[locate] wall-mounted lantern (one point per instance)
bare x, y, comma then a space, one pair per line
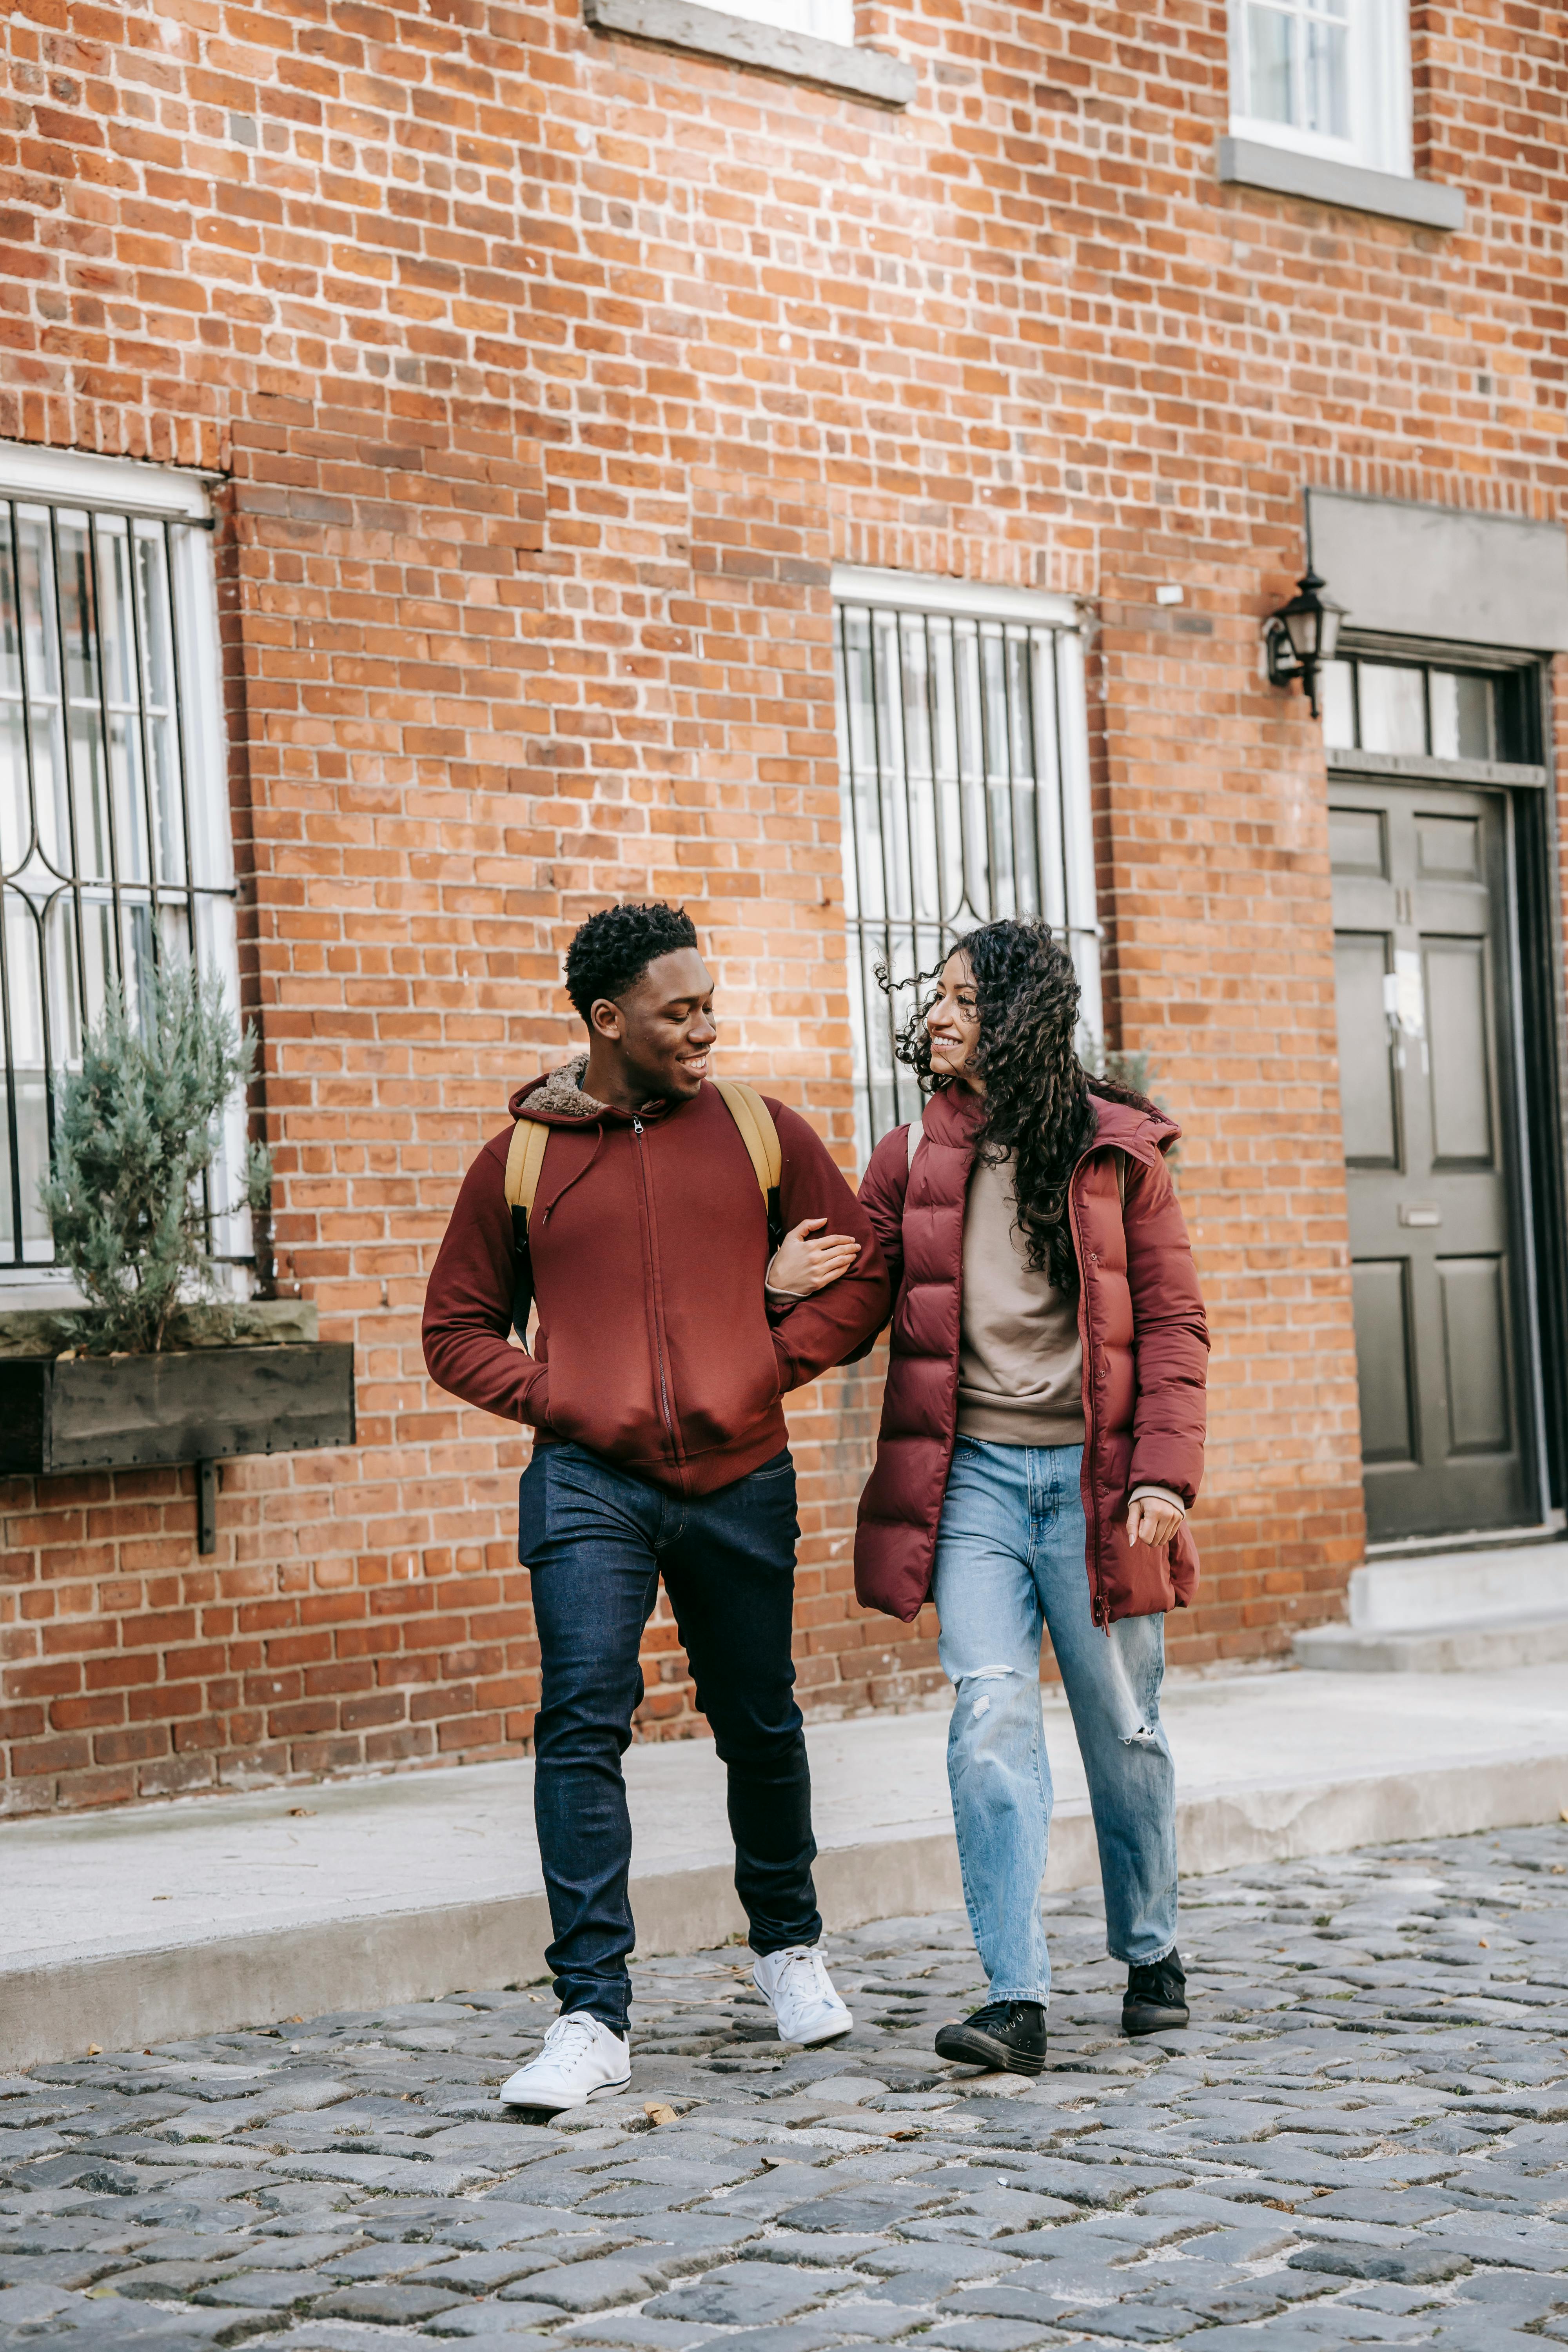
1302, 637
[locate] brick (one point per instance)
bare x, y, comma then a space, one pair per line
530, 491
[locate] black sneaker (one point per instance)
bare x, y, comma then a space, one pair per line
1010, 2034
1156, 1996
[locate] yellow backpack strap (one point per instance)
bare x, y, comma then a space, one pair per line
524, 1159
761, 1137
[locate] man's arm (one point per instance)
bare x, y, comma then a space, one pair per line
835, 1323
469, 1302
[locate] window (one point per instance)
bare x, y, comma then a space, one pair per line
1427, 710
1329, 78
964, 770
828, 20
114, 836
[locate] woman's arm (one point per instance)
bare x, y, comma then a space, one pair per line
807, 1260
1169, 1337
882, 1189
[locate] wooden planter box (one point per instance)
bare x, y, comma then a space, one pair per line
117, 1412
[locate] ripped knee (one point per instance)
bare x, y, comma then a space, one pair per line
1143, 1737
981, 1704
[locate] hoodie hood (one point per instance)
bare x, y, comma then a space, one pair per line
557, 1100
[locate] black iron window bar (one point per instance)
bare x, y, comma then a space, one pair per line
97, 856
964, 790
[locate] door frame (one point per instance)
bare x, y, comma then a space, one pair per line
1536, 1089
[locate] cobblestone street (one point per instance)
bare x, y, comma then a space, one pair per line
1362, 2139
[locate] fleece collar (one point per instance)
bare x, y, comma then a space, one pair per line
560, 1093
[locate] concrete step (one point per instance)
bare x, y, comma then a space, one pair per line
1479, 1647
154, 1922
1449, 1612
1460, 1588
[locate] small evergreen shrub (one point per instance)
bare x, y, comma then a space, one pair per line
136, 1131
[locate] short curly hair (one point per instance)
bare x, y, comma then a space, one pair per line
614, 948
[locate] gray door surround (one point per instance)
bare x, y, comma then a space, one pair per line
1441, 573
1429, 1088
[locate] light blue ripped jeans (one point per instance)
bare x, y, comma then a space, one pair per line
1010, 1557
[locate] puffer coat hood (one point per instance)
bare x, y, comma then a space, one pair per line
1145, 1350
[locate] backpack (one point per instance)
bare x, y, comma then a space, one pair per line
530, 1140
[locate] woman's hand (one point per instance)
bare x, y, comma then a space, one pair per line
806, 1261
1151, 1522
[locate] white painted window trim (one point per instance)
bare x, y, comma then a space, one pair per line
110, 482
856, 584
1380, 90
818, 20
128, 485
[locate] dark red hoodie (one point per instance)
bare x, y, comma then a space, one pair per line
649, 1245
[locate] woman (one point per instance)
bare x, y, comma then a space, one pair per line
1041, 1445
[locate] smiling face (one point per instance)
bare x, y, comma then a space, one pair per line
953, 1022
661, 1032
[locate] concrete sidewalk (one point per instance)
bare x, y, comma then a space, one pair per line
154, 1923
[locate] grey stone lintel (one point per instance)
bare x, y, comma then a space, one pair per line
873, 74
1254, 163
1418, 571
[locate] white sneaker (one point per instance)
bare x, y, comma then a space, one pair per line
581, 2060
800, 1990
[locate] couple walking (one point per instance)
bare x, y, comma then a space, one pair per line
1041, 1445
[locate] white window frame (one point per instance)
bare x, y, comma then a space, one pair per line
1380, 92
1044, 797
821, 20
73, 484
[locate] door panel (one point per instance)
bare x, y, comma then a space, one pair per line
1475, 1348
1426, 1059
1448, 848
1366, 1064
1382, 1355
1461, 1052
1358, 841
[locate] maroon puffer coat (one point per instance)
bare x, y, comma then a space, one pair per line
1145, 1350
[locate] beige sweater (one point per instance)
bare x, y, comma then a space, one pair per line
1020, 1360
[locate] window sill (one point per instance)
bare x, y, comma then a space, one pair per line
1419, 766
1252, 164
871, 74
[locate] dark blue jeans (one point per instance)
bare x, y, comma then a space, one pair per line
596, 1541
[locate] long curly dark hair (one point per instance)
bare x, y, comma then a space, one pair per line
1037, 1092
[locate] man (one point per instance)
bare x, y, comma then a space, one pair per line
656, 1386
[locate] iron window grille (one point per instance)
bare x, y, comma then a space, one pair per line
114, 835
964, 762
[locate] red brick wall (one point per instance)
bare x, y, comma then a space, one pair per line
547, 375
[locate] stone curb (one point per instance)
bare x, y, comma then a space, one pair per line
132, 2001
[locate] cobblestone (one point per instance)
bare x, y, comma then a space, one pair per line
1362, 2139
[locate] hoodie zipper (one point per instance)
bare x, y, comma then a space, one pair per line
666, 1409
1099, 1612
